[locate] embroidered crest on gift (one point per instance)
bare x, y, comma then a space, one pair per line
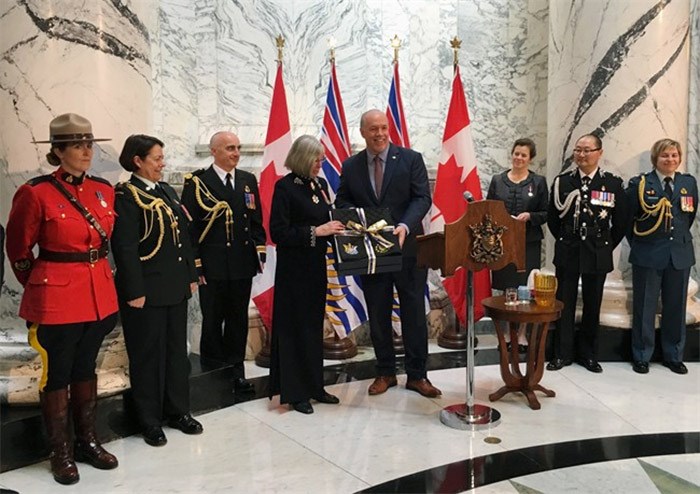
350, 249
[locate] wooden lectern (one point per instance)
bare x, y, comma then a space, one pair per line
486, 236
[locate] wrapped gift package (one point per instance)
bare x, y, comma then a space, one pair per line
368, 244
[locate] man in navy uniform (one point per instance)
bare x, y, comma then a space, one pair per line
229, 241
387, 176
587, 215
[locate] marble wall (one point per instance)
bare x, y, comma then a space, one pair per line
218, 73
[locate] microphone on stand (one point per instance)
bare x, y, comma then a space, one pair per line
468, 196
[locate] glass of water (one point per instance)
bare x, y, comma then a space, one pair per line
511, 296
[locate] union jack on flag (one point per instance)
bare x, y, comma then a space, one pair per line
345, 303
398, 130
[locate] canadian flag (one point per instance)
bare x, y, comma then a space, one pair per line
456, 174
277, 145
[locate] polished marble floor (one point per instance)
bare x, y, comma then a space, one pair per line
609, 433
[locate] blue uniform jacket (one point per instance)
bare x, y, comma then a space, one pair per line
664, 246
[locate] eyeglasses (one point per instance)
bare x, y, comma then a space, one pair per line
585, 151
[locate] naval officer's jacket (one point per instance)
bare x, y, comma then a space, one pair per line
659, 233
587, 221
227, 231
151, 246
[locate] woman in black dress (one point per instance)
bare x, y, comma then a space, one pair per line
299, 226
525, 196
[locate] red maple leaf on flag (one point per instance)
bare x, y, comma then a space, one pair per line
449, 190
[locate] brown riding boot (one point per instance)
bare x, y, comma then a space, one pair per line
83, 396
54, 407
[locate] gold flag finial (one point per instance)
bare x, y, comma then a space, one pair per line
331, 45
396, 44
279, 41
456, 44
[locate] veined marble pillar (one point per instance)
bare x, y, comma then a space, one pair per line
620, 70
59, 56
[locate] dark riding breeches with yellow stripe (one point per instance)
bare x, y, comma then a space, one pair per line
68, 351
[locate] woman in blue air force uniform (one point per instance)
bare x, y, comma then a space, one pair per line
663, 203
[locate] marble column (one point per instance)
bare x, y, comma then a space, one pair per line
58, 56
692, 156
621, 70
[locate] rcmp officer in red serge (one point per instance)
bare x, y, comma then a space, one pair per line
587, 216
155, 278
69, 300
229, 242
663, 204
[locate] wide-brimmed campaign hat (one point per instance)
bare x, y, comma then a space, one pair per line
70, 127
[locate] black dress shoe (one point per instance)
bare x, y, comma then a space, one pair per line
242, 384
640, 367
590, 364
154, 436
303, 407
186, 424
557, 363
327, 398
677, 367
522, 348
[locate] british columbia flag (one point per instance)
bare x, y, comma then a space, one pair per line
345, 303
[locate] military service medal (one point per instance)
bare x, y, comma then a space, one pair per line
687, 205
602, 198
99, 195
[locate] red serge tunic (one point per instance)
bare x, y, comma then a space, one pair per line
61, 292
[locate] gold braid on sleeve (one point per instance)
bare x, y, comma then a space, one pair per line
154, 209
662, 209
213, 212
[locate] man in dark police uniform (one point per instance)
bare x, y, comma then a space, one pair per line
229, 241
587, 216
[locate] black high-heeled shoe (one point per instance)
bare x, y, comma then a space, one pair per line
303, 407
327, 398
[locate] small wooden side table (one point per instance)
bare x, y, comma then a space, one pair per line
539, 318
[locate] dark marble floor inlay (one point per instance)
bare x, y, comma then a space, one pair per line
471, 473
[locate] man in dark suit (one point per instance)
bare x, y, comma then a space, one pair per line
587, 216
387, 176
229, 241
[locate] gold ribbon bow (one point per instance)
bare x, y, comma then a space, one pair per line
382, 245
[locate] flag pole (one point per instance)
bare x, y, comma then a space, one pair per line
262, 359
468, 415
397, 339
453, 337
335, 347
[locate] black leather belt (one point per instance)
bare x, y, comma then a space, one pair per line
91, 256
